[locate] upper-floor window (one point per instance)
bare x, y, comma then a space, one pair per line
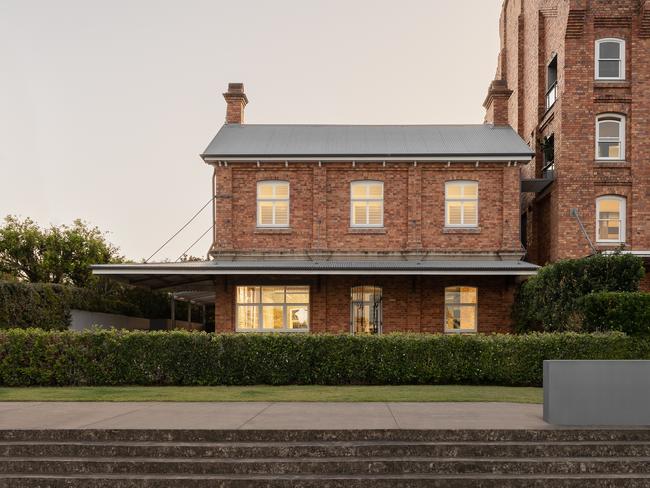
551, 83
610, 59
273, 204
461, 308
461, 204
367, 204
610, 137
610, 219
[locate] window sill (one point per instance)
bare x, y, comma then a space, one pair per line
614, 163
461, 230
611, 83
273, 230
366, 230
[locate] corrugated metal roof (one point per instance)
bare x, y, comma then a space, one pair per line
264, 140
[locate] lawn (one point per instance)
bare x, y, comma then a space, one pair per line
264, 393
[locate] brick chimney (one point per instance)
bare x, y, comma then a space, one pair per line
236, 100
496, 103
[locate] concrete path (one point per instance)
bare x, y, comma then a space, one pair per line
269, 415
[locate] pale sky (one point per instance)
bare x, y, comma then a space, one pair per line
106, 105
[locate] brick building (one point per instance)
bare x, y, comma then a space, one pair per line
573, 79
361, 229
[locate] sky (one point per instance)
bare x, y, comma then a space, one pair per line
105, 106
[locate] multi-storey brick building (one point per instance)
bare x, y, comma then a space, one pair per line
573, 79
360, 229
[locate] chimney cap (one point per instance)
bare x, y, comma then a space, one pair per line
236, 90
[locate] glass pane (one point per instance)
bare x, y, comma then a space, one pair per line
375, 213
361, 319
610, 50
609, 128
281, 213
609, 229
609, 69
265, 213
470, 213
608, 207
609, 150
452, 294
359, 190
272, 316
265, 190
467, 294
359, 213
453, 317
273, 294
376, 190
248, 294
282, 189
468, 318
297, 294
247, 317
453, 190
470, 190
297, 317
454, 213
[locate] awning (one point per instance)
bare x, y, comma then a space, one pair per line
197, 274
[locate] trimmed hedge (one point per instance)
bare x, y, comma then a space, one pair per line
548, 301
628, 312
110, 357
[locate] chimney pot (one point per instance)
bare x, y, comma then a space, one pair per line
236, 101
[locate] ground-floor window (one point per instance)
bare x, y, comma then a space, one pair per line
366, 309
272, 308
460, 308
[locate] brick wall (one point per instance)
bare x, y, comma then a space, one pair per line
409, 304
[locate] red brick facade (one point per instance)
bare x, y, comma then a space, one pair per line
532, 33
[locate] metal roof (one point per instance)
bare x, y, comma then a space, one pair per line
280, 141
166, 275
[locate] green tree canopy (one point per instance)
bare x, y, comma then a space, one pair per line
58, 254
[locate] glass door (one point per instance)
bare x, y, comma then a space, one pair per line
366, 314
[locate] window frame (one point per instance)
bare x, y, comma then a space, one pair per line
621, 135
461, 304
551, 89
622, 210
621, 59
260, 308
274, 200
367, 199
378, 292
461, 199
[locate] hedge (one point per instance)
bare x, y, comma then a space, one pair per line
548, 301
628, 312
110, 357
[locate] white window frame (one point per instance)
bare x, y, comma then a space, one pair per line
461, 199
366, 199
260, 306
622, 219
274, 184
461, 304
621, 59
621, 135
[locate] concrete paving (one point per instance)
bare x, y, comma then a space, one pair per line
269, 415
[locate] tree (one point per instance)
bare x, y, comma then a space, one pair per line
59, 254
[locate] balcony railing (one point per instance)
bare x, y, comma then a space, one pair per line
551, 95
548, 171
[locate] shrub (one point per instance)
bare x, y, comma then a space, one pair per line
548, 301
110, 357
627, 312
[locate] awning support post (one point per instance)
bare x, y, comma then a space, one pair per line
173, 324
189, 314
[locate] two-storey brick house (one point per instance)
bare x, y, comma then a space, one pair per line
361, 229
573, 79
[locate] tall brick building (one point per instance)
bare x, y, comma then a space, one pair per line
357, 229
573, 79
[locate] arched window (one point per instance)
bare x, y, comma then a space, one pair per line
461, 204
273, 203
610, 219
366, 313
610, 59
610, 137
461, 308
367, 204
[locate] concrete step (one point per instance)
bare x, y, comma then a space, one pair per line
470, 435
323, 449
327, 481
329, 466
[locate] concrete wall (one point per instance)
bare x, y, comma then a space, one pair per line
597, 392
81, 319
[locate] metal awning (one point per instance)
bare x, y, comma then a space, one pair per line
198, 275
